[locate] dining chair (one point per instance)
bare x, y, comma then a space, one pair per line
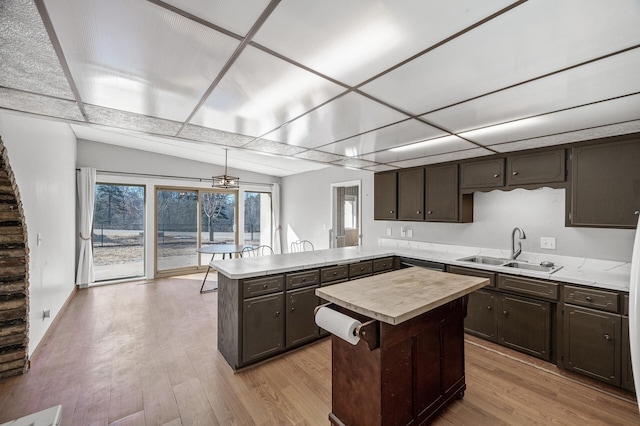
301, 245
253, 251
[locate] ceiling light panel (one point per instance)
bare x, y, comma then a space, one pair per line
442, 158
341, 118
604, 79
421, 149
402, 133
237, 16
261, 92
28, 60
529, 41
570, 137
354, 40
37, 104
138, 57
599, 114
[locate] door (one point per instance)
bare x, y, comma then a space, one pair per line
525, 325
301, 325
346, 217
263, 327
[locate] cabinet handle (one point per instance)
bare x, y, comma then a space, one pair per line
515, 173
265, 286
277, 313
293, 308
505, 313
418, 212
429, 212
588, 299
497, 175
607, 337
489, 308
304, 279
637, 212
335, 273
391, 211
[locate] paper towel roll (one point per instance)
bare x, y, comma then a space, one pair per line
338, 324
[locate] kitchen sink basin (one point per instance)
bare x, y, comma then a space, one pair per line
532, 267
486, 260
508, 263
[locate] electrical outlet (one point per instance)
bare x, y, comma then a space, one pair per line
548, 243
388, 231
410, 233
403, 231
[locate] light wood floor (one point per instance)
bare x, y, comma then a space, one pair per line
145, 353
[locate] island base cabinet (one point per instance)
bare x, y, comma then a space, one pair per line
263, 327
301, 325
524, 325
592, 343
415, 372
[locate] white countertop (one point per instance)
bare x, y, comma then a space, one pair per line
603, 274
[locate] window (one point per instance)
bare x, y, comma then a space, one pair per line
257, 218
177, 226
118, 232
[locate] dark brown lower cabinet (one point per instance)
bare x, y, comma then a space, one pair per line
626, 372
592, 343
301, 326
481, 315
525, 325
262, 327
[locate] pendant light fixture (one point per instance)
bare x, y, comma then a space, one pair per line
225, 181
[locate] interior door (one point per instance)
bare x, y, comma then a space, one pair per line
346, 216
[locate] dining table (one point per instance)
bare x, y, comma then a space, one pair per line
224, 250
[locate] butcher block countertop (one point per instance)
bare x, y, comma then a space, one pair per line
400, 295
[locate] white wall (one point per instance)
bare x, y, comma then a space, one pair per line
42, 155
541, 213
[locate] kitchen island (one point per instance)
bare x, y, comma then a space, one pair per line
409, 363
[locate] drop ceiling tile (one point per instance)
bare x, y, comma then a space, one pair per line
402, 133
380, 168
604, 79
130, 121
599, 114
137, 56
354, 162
341, 118
354, 40
237, 16
421, 149
261, 92
37, 104
318, 156
570, 137
204, 134
443, 158
271, 147
530, 40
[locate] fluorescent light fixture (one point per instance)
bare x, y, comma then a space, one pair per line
418, 145
503, 128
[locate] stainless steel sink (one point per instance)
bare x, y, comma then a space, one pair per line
532, 267
486, 260
508, 263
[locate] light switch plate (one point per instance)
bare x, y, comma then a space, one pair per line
388, 231
548, 243
410, 233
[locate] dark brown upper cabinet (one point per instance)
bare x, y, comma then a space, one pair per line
536, 168
411, 194
441, 193
385, 202
482, 174
605, 184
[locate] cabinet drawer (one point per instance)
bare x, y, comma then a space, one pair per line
482, 174
334, 273
528, 286
260, 286
303, 279
474, 273
591, 298
383, 265
361, 268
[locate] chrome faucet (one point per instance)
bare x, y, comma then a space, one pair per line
515, 253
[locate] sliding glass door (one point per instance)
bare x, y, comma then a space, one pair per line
118, 232
177, 229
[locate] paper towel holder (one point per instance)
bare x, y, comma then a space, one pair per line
368, 331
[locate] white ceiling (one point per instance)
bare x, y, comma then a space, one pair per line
297, 85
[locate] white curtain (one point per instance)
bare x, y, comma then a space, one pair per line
275, 211
86, 182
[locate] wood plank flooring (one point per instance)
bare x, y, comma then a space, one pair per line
144, 353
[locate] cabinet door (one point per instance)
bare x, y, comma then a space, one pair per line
262, 327
626, 373
385, 196
481, 315
441, 193
411, 194
592, 343
482, 174
525, 325
538, 167
301, 324
605, 184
